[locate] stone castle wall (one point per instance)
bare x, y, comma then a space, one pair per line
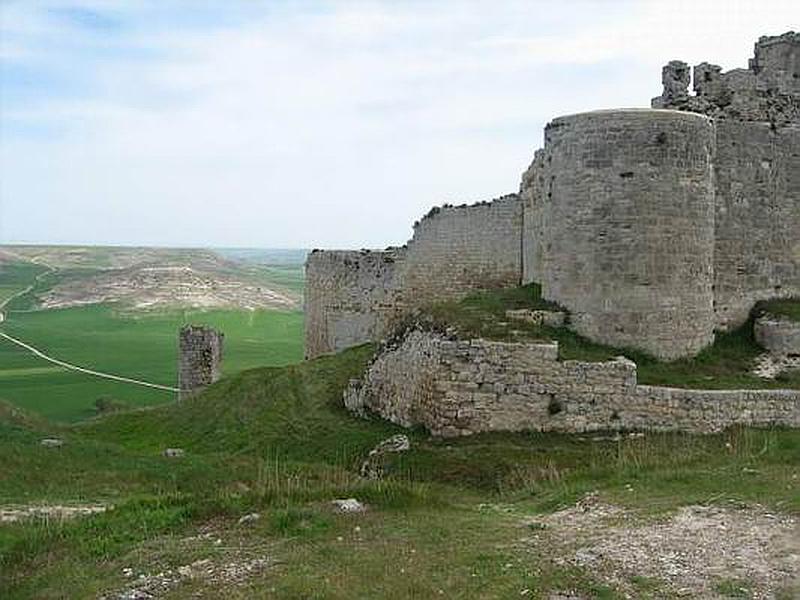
757, 221
780, 336
353, 297
461, 387
653, 227
623, 211
199, 358
457, 249
767, 91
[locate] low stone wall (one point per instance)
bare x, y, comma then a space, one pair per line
778, 335
460, 387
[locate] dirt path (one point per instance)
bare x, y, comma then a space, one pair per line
79, 369
61, 363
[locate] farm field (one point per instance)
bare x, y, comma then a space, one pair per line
117, 338
141, 347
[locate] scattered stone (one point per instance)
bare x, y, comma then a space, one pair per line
250, 518
235, 570
174, 452
349, 505
685, 552
547, 318
58, 512
769, 366
52, 442
373, 467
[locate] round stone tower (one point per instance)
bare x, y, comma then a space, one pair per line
199, 358
628, 199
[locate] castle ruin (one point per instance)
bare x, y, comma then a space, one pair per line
199, 358
654, 227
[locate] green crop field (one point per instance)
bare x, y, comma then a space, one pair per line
143, 347
113, 338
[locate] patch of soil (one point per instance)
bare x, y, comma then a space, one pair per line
694, 553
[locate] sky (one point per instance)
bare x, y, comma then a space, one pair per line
312, 124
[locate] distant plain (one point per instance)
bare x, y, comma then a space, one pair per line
118, 337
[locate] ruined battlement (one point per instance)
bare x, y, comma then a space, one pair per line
654, 228
768, 90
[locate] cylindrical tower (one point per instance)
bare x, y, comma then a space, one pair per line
628, 196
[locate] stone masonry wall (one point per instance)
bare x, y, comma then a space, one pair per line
779, 335
623, 212
757, 221
199, 358
353, 297
767, 91
458, 249
461, 387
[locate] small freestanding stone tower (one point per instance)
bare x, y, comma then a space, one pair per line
199, 358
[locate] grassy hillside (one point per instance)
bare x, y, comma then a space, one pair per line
16, 276
141, 346
446, 522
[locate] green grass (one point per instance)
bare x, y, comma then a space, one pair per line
787, 307
724, 365
16, 276
278, 441
141, 346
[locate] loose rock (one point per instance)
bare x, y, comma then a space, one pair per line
349, 505
373, 466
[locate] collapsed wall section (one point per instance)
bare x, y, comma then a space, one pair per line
622, 216
461, 387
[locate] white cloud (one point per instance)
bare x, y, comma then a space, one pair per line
332, 127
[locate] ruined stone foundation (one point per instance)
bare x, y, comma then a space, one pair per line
456, 387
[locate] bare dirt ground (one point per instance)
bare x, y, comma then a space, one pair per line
150, 287
698, 552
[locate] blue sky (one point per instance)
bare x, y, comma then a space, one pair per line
312, 124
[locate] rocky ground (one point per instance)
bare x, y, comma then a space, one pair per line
697, 552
